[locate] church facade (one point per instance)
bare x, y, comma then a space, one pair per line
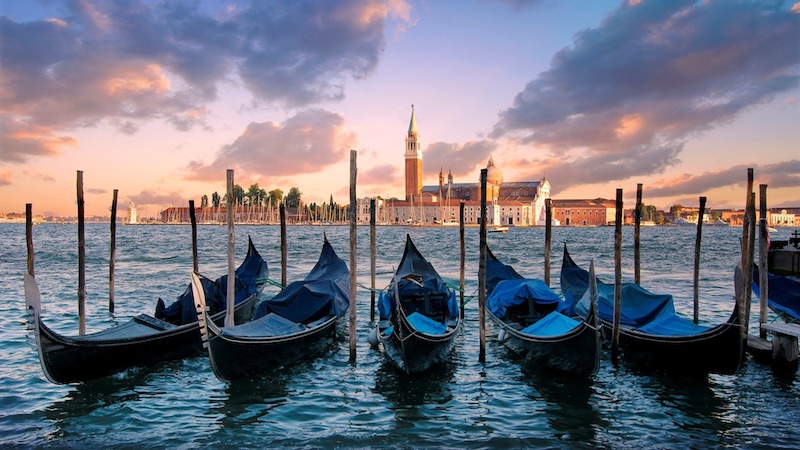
518, 203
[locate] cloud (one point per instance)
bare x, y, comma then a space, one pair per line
148, 197
649, 77
462, 159
386, 174
20, 141
125, 63
5, 178
308, 142
779, 175
96, 191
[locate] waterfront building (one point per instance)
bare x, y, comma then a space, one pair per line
520, 203
595, 212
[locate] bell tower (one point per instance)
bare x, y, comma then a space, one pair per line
413, 160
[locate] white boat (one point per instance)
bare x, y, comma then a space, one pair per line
499, 230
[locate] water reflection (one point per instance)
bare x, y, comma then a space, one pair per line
412, 394
571, 412
249, 400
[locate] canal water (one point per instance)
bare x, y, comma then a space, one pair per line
328, 402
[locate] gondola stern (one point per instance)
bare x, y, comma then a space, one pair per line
34, 319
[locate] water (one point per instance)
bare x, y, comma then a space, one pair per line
328, 402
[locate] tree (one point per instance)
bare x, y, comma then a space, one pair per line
204, 201
275, 196
215, 200
293, 197
256, 194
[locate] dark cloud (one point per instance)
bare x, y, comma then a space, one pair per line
462, 159
778, 175
306, 143
134, 61
649, 77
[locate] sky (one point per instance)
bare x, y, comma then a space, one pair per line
157, 99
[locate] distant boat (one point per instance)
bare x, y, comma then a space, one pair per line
499, 230
680, 221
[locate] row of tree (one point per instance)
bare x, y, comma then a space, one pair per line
255, 196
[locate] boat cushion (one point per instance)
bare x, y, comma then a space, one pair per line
270, 325
672, 325
553, 324
425, 324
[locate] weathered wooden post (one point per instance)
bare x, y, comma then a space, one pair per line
617, 278
29, 236
637, 247
282, 209
113, 256
353, 280
747, 269
548, 236
463, 255
193, 220
697, 246
482, 271
763, 270
229, 319
81, 259
372, 257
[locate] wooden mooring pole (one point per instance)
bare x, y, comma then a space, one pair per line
637, 226
372, 257
463, 247
81, 259
113, 256
193, 220
29, 236
282, 209
482, 271
617, 278
697, 246
229, 319
353, 254
747, 269
763, 270
548, 237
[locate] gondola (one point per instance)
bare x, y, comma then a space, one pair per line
783, 295
651, 333
538, 325
296, 324
144, 340
419, 315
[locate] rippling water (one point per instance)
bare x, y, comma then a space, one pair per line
329, 402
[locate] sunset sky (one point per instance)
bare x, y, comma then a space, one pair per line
158, 99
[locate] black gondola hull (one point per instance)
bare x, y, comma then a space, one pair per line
412, 351
73, 359
233, 358
576, 353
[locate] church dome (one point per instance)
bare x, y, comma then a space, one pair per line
493, 174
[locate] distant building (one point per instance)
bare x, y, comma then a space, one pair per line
508, 203
595, 212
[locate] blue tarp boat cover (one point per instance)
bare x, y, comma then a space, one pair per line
269, 325
425, 324
642, 310
783, 293
514, 292
416, 277
553, 324
325, 290
183, 311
